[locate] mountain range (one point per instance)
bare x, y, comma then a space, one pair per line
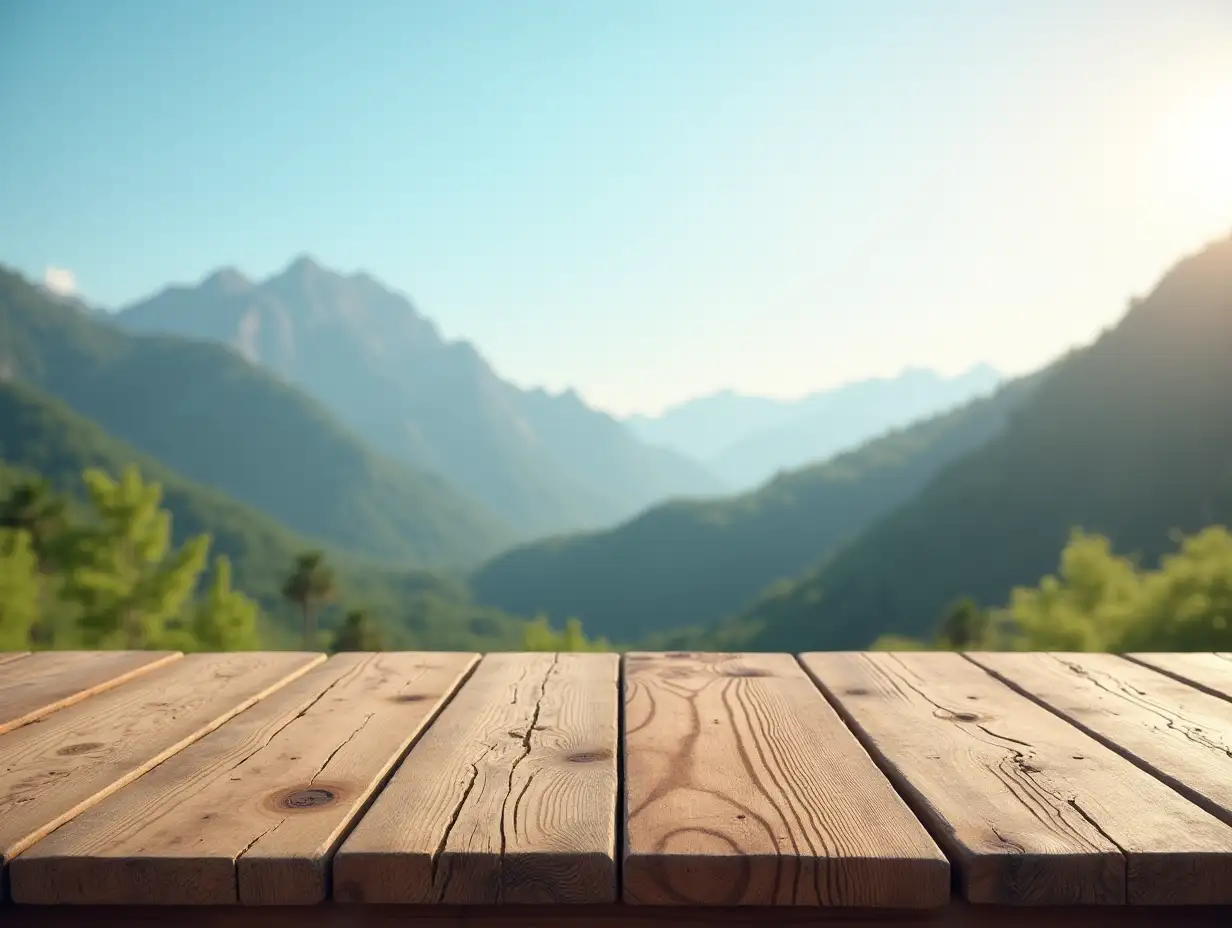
746, 440
1130, 437
315, 410
541, 463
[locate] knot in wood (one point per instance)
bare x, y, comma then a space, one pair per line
72, 750
307, 798
589, 757
745, 672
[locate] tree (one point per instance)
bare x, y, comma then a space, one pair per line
538, 635
964, 626
224, 619
120, 569
310, 585
33, 508
358, 633
19, 589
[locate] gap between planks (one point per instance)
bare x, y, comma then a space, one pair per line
58, 767
52, 680
253, 811
743, 787
1031, 810
514, 788
1170, 729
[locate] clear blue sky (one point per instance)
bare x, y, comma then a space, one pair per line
647, 201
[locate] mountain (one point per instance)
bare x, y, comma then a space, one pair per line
690, 563
42, 436
1130, 438
545, 463
205, 412
746, 440
825, 424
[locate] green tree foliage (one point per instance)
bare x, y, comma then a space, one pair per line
540, 636
1099, 601
113, 578
121, 570
359, 632
309, 586
19, 589
224, 619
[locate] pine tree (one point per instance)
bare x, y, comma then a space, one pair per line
358, 633
310, 585
19, 589
224, 619
121, 570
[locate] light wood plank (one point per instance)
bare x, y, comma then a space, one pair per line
57, 768
743, 787
510, 796
253, 811
1031, 810
1211, 673
52, 680
6, 656
1176, 732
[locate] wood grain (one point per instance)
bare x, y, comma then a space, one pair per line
1211, 673
56, 768
253, 811
743, 787
510, 796
1176, 732
6, 656
52, 680
1031, 810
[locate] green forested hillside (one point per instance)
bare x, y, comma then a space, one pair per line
1130, 438
203, 410
690, 563
40, 436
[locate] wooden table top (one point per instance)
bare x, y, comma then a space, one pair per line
538, 789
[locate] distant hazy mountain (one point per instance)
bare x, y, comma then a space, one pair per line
746, 440
546, 463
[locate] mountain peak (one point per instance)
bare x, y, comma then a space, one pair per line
226, 280
303, 265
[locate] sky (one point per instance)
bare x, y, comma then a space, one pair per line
644, 201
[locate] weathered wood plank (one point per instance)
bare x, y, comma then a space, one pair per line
253, 811
743, 787
1211, 673
6, 656
510, 796
52, 680
1031, 810
958, 915
57, 768
1176, 732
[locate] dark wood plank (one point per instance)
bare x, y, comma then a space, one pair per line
609, 916
1031, 810
510, 796
1176, 732
1211, 673
253, 811
57, 768
743, 787
52, 680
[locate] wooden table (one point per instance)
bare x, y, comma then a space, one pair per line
435, 789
